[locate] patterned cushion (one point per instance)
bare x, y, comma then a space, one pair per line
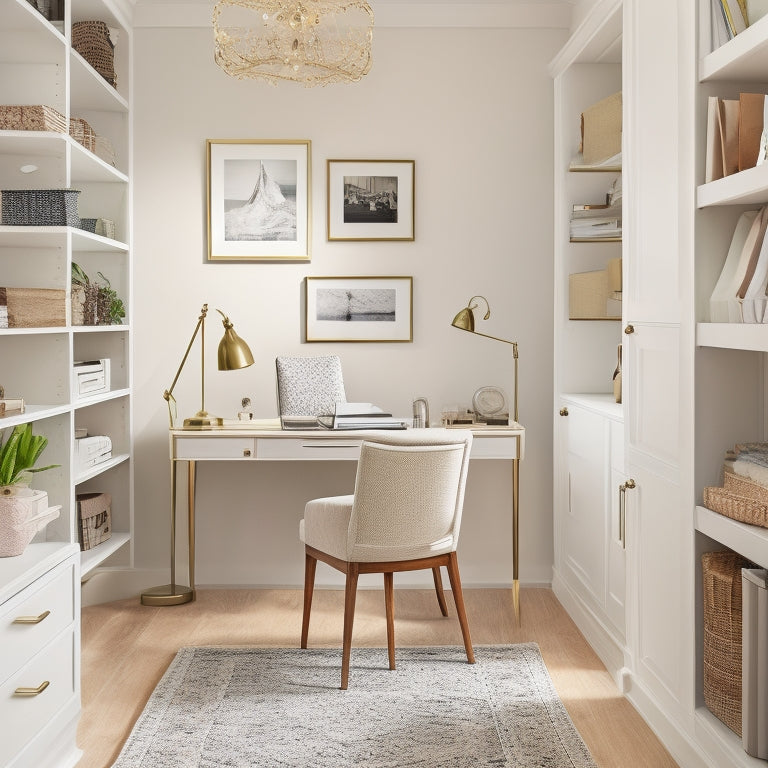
309, 386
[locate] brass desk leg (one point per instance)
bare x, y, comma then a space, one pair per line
173, 593
516, 534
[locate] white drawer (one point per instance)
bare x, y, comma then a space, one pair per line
309, 448
24, 717
493, 447
33, 617
193, 448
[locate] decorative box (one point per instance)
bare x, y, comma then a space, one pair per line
94, 512
90, 377
32, 307
39, 207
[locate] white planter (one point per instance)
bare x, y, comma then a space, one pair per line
22, 515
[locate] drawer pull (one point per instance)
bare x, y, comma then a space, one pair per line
31, 619
32, 691
246, 453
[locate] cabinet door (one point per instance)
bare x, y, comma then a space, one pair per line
658, 593
584, 523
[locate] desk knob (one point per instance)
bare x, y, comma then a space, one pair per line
247, 452
563, 411
629, 329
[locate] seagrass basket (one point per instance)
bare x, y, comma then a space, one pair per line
721, 573
81, 131
740, 499
92, 41
31, 117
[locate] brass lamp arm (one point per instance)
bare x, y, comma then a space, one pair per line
168, 394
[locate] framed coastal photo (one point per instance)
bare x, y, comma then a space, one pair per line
258, 200
359, 309
371, 199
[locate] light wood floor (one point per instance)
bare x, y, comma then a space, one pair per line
126, 647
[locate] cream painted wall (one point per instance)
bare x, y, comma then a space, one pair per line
474, 109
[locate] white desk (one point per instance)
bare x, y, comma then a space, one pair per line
245, 444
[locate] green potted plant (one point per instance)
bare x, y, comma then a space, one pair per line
23, 511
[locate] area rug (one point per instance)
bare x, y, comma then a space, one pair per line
278, 707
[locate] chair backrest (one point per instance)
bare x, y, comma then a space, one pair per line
409, 494
309, 386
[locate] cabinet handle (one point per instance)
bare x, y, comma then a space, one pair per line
32, 691
563, 411
629, 329
31, 619
623, 488
247, 452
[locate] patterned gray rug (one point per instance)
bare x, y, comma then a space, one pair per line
277, 707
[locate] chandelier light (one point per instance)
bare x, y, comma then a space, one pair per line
314, 42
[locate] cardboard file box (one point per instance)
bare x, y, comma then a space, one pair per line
94, 513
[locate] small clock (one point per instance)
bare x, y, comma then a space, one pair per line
489, 402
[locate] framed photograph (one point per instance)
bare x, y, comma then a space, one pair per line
258, 200
359, 309
371, 199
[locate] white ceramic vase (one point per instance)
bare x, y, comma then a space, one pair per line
23, 512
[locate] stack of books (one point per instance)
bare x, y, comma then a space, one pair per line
730, 17
595, 222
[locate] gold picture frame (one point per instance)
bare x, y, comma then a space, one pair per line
241, 174
359, 309
371, 200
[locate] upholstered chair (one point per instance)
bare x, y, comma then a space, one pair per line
308, 387
404, 515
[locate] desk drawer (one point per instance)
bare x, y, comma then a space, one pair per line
46, 607
24, 717
492, 447
193, 448
308, 449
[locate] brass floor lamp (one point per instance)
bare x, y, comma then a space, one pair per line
465, 321
233, 354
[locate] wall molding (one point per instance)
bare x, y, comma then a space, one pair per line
503, 14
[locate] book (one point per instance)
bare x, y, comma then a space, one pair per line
361, 416
735, 17
751, 106
721, 32
728, 123
713, 165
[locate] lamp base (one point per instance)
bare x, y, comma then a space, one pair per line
205, 421
168, 594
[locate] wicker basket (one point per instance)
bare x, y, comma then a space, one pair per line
740, 499
94, 512
82, 133
39, 207
33, 117
722, 635
92, 41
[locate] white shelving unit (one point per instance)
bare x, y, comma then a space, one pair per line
38, 65
730, 357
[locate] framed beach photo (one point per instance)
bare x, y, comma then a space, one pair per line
371, 199
359, 309
258, 200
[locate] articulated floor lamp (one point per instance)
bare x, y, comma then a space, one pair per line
465, 321
234, 354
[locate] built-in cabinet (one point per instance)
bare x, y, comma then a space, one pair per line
39, 66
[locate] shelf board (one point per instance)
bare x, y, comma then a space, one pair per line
20, 19
751, 541
82, 240
747, 336
745, 58
100, 328
102, 397
595, 240
55, 237
32, 413
582, 168
745, 187
88, 167
93, 558
101, 468
90, 91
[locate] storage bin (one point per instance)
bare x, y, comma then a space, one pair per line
740, 498
94, 513
82, 132
39, 207
32, 117
33, 307
91, 39
721, 573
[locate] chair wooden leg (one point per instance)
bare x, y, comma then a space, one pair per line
439, 590
389, 600
310, 564
458, 596
350, 593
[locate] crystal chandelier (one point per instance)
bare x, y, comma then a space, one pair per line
314, 42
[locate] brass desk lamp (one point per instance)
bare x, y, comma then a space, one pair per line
234, 354
465, 321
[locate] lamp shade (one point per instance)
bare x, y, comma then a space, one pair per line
234, 353
465, 320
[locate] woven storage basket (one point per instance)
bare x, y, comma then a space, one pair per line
94, 511
33, 117
82, 133
740, 499
92, 41
39, 207
722, 635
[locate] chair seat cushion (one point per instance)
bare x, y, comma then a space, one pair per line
325, 527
